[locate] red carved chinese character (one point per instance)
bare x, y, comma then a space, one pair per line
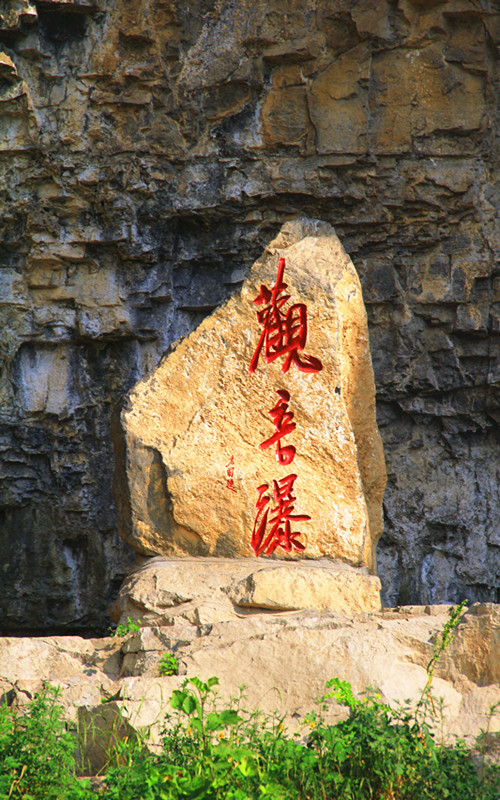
284, 333
230, 473
283, 424
280, 534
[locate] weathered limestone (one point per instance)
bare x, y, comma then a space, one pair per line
284, 660
323, 588
201, 411
148, 151
84, 669
197, 591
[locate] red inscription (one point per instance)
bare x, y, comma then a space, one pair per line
284, 332
278, 519
230, 473
283, 424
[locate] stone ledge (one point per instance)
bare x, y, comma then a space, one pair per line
207, 590
289, 587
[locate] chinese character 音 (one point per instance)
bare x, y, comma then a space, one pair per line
283, 425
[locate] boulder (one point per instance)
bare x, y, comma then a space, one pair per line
83, 669
146, 152
257, 434
289, 587
284, 660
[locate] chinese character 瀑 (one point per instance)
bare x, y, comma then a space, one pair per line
230, 473
284, 333
283, 424
278, 519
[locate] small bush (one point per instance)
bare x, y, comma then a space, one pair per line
233, 754
125, 628
168, 665
37, 753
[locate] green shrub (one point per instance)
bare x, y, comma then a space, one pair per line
168, 665
37, 753
125, 628
375, 754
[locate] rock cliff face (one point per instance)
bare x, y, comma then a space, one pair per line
148, 151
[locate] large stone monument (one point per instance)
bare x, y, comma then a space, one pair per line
255, 440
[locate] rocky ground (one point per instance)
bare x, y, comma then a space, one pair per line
283, 659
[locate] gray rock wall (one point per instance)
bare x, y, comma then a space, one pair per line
148, 151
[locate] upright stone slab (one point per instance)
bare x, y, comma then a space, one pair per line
211, 461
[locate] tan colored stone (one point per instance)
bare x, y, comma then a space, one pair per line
144, 702
173, 591
14, 13
172, 194
83, 669
372, 17
476, 646
338, 103
203, 591
30, 659
339, 589
201, 408
7, 68
285, 116
284, 659
429, 96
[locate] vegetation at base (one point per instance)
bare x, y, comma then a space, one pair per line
37, 753
229, 753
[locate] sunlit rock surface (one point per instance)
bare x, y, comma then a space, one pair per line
169, 591
194, 429
148, 151
283, 659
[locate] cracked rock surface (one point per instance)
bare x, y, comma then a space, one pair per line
284, 659
148, 151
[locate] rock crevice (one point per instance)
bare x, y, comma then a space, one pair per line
148, 151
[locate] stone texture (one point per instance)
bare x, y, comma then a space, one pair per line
198, 591
170, 591
322, 588
284, 660
201, 408
84, 669
149, 151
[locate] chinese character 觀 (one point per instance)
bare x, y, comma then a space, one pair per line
284, 332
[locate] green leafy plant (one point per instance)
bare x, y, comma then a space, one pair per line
126, 628
37, 752
442, 642
168, 665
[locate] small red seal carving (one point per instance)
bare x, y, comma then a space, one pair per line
230, 474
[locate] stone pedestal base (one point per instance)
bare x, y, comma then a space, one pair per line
201, 591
